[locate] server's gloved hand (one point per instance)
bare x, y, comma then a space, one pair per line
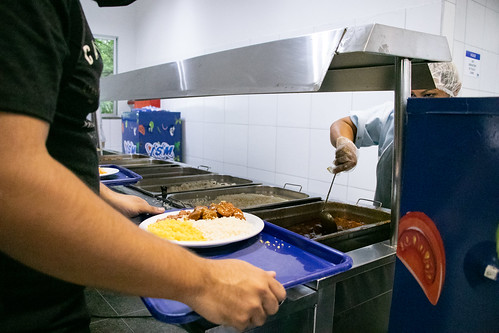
346, 155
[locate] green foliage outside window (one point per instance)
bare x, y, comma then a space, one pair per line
106, 47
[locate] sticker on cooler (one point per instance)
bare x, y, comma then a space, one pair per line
160, 150
129, 147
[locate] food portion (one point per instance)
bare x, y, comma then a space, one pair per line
242, 200
204, 223
197, 185
104, 171
222, 209
421, 249
178, 230
313, 228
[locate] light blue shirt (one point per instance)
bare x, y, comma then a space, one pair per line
375, 127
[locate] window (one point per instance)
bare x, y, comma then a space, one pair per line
107, 49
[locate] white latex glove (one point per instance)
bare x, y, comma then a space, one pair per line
346, 155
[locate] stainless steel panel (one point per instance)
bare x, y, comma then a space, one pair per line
299, 64
363, 293
119, 157
164, 186
142, 162
289, 65
208, 196
166, 171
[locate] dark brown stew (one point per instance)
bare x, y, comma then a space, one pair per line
313, 228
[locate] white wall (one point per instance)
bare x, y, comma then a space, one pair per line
284, 138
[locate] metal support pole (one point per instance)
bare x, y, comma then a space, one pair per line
402, 93
95, 120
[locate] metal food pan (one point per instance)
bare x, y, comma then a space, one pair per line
376, 222
169, 185
143, 162
163, 171
111, 159
242, 197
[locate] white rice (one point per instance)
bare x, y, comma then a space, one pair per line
223, 228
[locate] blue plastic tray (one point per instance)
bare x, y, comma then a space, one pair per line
123, 177
295, 259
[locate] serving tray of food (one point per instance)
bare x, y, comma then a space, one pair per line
164, 186
358, 226
294, 258
112, 174
248, 198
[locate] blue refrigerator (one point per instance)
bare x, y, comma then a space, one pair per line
446, 273
157, 133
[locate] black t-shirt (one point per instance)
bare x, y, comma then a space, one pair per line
49, 69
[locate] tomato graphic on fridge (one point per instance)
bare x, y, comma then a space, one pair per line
447, 268
421, 249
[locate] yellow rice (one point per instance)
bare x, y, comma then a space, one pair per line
178, 230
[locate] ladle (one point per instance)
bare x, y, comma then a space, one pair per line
327, 220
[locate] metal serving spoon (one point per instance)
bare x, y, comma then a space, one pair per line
327, 220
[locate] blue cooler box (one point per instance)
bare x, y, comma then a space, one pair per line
446, 274
154, 133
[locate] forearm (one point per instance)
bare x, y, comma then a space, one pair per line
342, 127
49, 218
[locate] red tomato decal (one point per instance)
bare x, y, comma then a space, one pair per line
421, 249
142, 129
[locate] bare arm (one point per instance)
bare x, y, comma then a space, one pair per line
53, 223
342, 127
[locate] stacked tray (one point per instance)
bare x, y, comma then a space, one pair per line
358, 226
112, 158
144, 163
248, 198
169, 185
119, 175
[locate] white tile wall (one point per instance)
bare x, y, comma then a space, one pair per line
236, 110
262, 147
292, 151
460, 22
235, 145
432, 12
491, 29
294, 110
475, 24
278, 139
448, 22
213, 137
263, 110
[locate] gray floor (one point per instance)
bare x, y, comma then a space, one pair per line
117, 313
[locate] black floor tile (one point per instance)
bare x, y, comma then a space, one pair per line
117, 313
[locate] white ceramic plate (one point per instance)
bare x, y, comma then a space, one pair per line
250, 218
104, 172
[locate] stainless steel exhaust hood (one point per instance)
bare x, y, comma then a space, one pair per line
351, 59
366, 58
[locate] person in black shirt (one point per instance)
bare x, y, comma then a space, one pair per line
57, 234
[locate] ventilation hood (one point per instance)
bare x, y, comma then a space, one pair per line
350, 59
